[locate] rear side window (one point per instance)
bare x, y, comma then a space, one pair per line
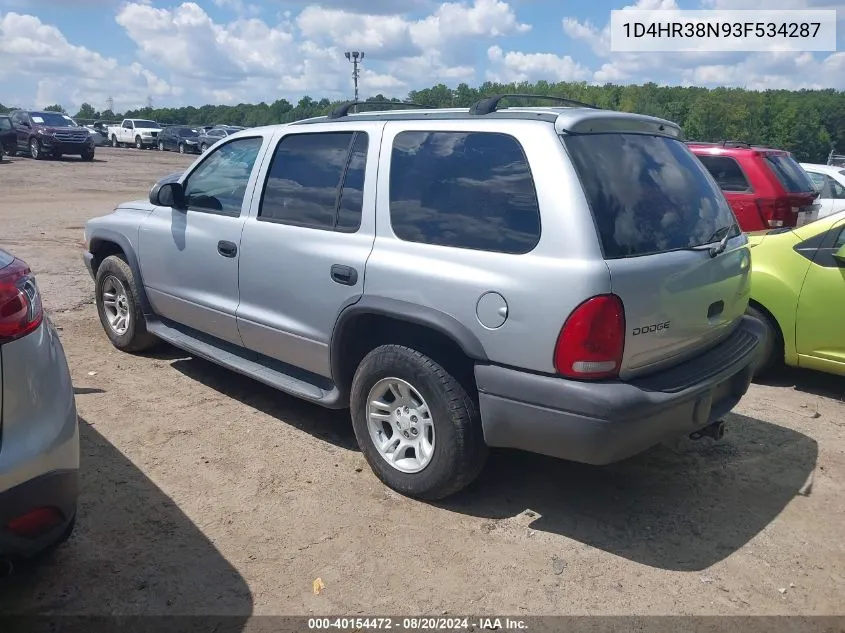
303, 185
727, 173
5, 123
648, 194
465, 190
790, 174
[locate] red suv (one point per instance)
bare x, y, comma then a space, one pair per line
766, 188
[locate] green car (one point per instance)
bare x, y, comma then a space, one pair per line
798, 292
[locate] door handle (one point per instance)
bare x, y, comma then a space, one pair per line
227, 249
345, 275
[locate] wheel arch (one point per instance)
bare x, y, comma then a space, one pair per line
772, 319
104, 243
374, 321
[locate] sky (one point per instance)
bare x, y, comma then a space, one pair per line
180, 53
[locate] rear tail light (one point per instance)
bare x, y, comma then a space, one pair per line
776, 213
20, 302
592, 341
35, 523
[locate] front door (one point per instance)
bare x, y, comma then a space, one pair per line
821, 344
189, 257
305, 248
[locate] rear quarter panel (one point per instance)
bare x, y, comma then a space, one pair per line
777, 274
541, 287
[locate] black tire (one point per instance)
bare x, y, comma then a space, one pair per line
203, 148
35, 149
135, 338
181, 148
459, 449
139, 144
161, 146
88, 156
114, 142
771, 356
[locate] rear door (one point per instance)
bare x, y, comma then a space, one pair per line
819, 338
656, 209
304, 249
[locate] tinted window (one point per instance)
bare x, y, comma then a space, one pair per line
840, 240
140, 123
790, 174
463, 189
220, 182
818, 180
5, 123
648, 194
726, 171
834, 189
303, 182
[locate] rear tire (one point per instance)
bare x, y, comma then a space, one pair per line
117, 294
771, 356
114, 142
457, 449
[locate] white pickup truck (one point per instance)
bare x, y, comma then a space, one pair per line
141, 133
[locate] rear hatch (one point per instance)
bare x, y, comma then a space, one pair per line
660, 218
798, 188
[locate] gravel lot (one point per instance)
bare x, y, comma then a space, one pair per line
205, 492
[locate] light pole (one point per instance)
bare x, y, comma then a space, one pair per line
355, 57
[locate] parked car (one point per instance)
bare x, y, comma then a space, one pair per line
39, 457
181, 138
209, 137
798, 292
829, 181
8, 136
100, 138
42, 134
400, 264
765, 187
141, 133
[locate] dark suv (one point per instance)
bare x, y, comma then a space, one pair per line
8, 138
765, 187
53, 134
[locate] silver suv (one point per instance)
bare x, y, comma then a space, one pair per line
567, 280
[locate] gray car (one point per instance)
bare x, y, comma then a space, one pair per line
39, 455
568, 281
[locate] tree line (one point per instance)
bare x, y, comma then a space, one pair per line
809, 123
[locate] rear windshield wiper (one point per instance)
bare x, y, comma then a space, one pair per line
718, 242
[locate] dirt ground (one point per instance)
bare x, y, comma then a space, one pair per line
205, 492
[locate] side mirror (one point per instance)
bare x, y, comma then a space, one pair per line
168, 194
839, 256
26, 124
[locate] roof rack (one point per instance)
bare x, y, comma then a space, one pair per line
725, 143
343, 109
490, 104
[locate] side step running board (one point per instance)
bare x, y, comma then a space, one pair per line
238, 359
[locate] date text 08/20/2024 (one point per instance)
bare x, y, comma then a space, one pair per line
416, 624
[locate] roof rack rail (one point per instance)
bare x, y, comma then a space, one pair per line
343, 109
725, 143
490, 104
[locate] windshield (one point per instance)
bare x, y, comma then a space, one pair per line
648, 194
790, 174
140, 123
186, 131
52, 119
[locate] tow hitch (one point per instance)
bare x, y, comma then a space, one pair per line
716, 430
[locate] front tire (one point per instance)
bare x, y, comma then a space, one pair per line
88, 156
35, 149
181, 148
415, 423
119, 306
139, 144
771, 356
203, 148
161, 146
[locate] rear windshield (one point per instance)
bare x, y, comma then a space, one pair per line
790, 174
140, 123
648, 194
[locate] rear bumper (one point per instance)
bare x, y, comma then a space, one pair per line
57, 489
605, 422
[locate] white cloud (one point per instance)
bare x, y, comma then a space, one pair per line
517, 67
69, 74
